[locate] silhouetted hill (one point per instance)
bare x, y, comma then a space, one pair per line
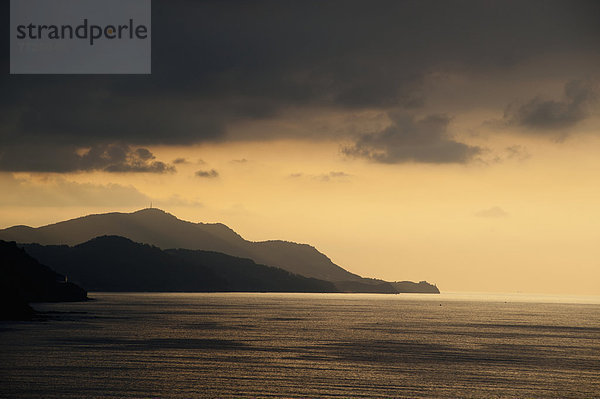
156, 227
367, 286
422, 287
23, 280
112, 263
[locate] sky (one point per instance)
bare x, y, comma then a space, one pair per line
455, 142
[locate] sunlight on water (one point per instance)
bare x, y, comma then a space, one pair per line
518, 297
445, 296
306, 345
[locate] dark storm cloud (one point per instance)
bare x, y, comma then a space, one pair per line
66, 158
211, 174
544, 114
217, 63
412, 140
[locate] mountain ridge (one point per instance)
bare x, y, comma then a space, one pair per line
157, 227
165, 231
114, 263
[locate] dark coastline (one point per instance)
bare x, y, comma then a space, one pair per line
24, 280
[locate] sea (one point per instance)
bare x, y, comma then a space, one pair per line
265, 345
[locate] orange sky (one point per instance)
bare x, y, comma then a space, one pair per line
527, 223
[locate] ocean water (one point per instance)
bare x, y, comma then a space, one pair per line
305, 346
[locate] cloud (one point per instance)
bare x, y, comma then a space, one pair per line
409, 139
56, 191
356, 56
517, 152
239, 161
493, 212
332, 176
323, 177
207, 173
179, 161
541, 114
511, 153
116, 158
